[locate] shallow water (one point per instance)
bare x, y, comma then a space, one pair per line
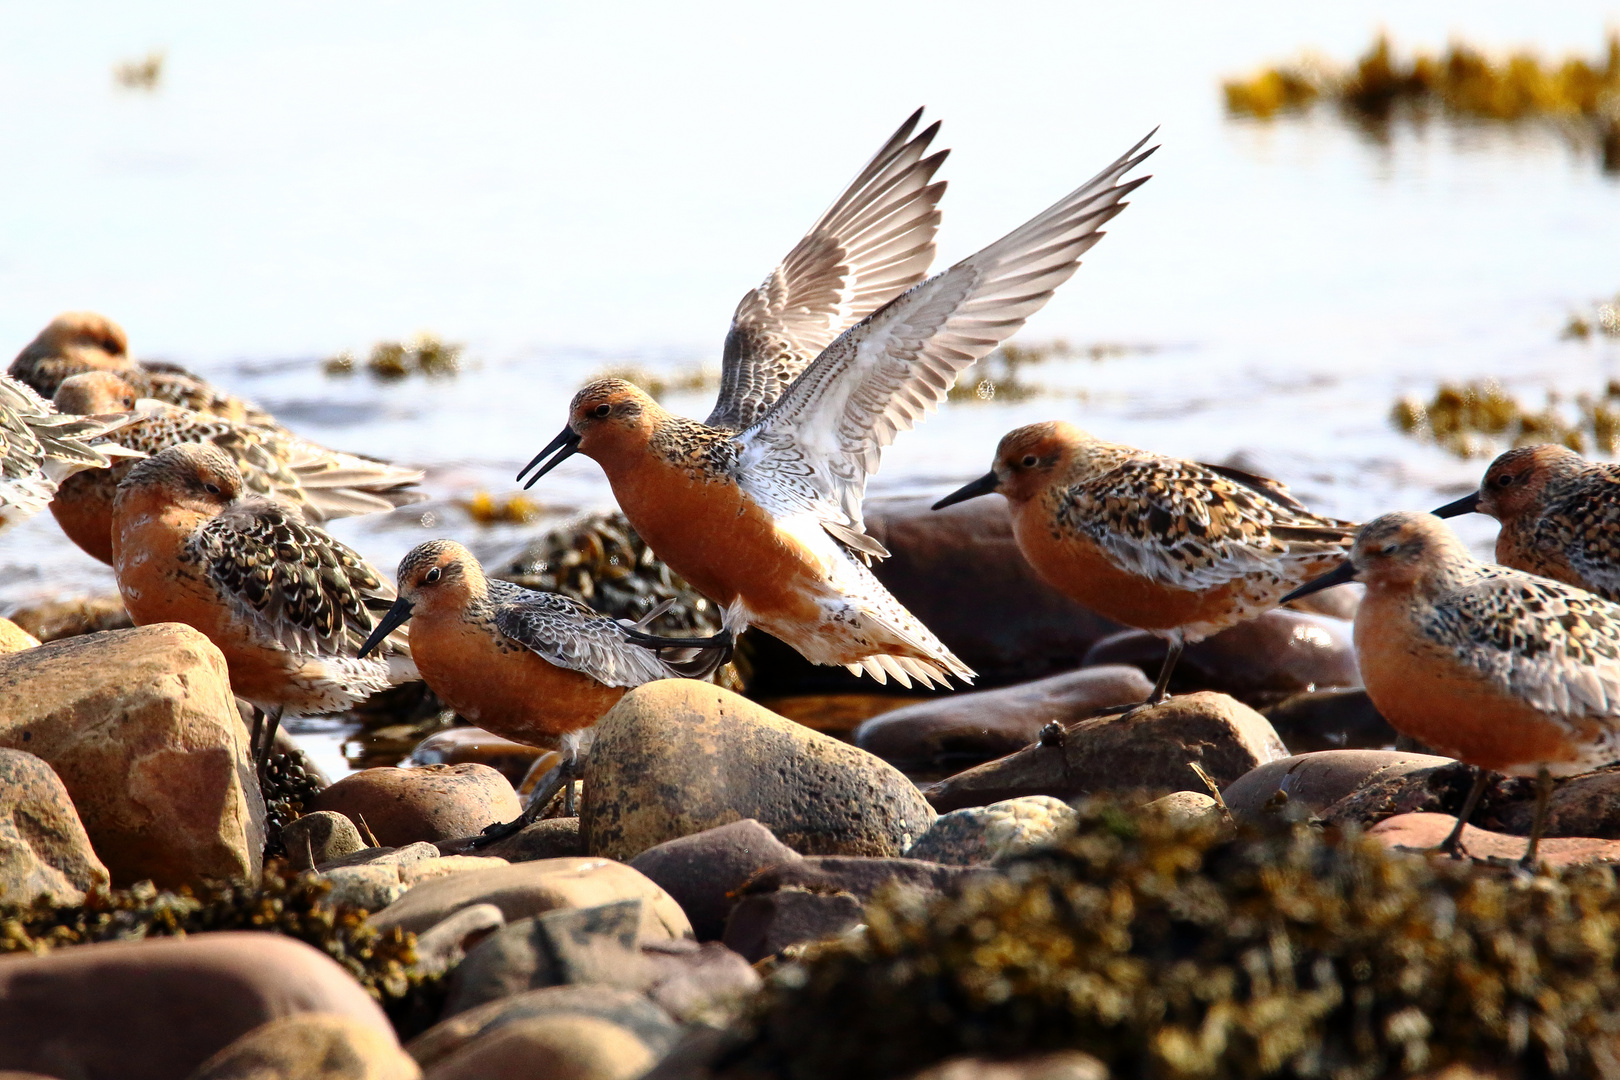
566, 191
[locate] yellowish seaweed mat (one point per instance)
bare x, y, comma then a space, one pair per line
1480, 419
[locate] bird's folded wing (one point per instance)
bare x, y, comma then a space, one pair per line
1187, 526
1555, 647
816, 446
873, 243
570, 635
293, 582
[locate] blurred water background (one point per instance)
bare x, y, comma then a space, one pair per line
569, 188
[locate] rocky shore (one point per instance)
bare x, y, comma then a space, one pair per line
793, 873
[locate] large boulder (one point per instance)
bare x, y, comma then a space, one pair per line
157, 1009
426, 804
678, 756
949, 734
44, 852
959, 570
142, 729
1148, 749
311, 1046
1258, 662
533, 888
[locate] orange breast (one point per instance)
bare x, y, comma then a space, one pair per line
1431, 697
83, 507
1516, 547
716, 537
510, 691
1080, 570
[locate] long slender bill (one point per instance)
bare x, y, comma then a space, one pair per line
566, 445
984, 485
1343, 575
390, 622
1468, 504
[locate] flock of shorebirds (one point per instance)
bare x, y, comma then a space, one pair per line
210, 514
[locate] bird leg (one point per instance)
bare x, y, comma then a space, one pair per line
1452, 845
263, 739
1538, 823
1161, 688
561, 777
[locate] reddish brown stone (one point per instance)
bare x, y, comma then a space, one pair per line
431, 803
1422, 832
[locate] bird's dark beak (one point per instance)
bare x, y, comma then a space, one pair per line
984, 485
1343, 575
566, 445
1468, 504
396, 617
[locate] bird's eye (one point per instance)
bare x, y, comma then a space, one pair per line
602, 409
1388, 549
1504, 481
1029, 461
212, 489
431, 577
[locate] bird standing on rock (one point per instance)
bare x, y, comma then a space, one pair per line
41, 449
1177, 548
760, 507
322, 483
287, 604
535, 667
1560, 515
1501, 669
80, 341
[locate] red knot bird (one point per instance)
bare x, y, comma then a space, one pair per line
1178, 548
536, 667
287, 604
759, 508
1560, 515
42, 449
80, 341
1504, 670
322, 483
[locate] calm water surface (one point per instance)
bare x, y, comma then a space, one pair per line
566, 191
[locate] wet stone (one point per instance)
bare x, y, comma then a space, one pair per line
1147, 750
676, 757
1259, 662
984, 834
434, 802
948, 734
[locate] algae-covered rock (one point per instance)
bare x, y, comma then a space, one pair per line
1178, 951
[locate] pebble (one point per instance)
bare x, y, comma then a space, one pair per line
703, 871
58, 619
764, 924
532, 888
1423, 831
517, 1037
434, 802
44, 852
1145, 750
676, 757
1330, 720
157, 1009
1259, 662
162, 782
473, 745
384, 856
372, 887
311, 1046
319, 837
945, 735
14, 638
1318, 781
1187, 807
551, 838
1058, 1065
984, 834
444, 944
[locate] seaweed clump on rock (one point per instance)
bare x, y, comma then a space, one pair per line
384, 962
1177, 951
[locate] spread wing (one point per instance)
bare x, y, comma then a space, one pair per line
1552, 645
814, 449
564, 632
297, 585
874, 242
1188, 526
33, 433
